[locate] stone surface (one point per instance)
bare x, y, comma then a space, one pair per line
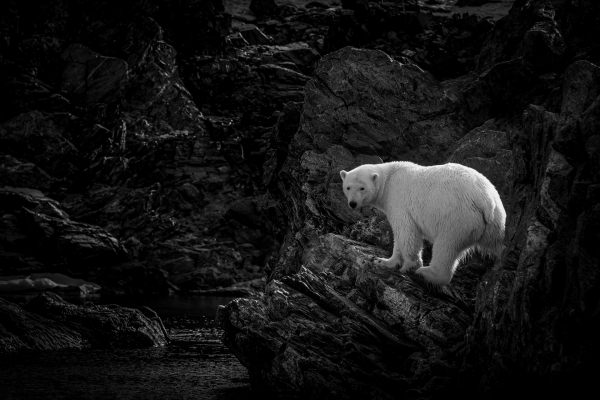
524, 325
136, 160
47, 322
536, 312
36, 236
342, 327
487, 150
91, 78
263, 8
360, 105
160, 183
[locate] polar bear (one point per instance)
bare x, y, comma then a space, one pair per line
452, 206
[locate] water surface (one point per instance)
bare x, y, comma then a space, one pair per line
195, 365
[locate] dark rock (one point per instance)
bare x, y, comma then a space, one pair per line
253, 288
547, 274
446, 47
530, 320
360, 6
354, 111
543, 47
487, 150
236, 40
22, 92
133, 157
316, 4
47, 322
352, 329
57, 283
43, 139
36, 235
14, 172
302, 55
528, 31
371, 104
253, 35
474, 3
90, 78
263, 8
196, 26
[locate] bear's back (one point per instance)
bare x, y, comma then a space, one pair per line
440, 189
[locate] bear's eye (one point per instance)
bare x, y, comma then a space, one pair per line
362, 188
348, 188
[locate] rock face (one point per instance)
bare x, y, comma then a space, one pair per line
38, 235
360, 106
446, 47
331, 325
536, 313
47, 322
342, 328
151, 120
98, 123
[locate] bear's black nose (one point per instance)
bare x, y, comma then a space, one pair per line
353, 204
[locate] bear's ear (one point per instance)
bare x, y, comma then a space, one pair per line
374, 177
343, 174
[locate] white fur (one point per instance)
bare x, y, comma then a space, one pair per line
452, 206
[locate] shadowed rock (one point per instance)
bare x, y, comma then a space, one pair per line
525, 324
537, 310
331, 323
90, 77
47, 322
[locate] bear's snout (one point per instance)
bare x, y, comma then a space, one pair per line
352, 204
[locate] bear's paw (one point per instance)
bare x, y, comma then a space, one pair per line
387, 262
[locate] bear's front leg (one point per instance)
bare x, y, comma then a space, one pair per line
407, 249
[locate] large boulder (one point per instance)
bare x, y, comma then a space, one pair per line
43, 139
371, 104
36, 235
47, 322
487, 150
134, 158
344, 328
525, 324
91, 78
360, 106
537, 313
263, 8
530, 32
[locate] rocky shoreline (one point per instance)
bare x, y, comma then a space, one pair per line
47, 322
159, 147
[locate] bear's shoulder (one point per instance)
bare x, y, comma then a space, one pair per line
395, 167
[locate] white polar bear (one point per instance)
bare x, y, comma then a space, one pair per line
452, 206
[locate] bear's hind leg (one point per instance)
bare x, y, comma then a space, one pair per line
411, 251
491, 242
445, 258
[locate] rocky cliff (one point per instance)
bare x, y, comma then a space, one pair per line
110, 169
148, 123
332, 325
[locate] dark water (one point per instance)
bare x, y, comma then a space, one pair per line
194, 366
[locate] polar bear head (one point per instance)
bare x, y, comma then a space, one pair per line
360, 185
